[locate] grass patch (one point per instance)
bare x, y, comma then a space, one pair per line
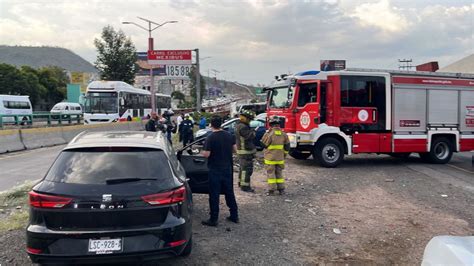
16, 220
13, 218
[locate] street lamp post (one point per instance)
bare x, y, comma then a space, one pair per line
150, 48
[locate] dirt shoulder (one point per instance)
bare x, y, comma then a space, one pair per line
371, 210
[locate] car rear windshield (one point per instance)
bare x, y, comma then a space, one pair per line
101, 165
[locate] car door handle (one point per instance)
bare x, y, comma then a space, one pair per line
199, 161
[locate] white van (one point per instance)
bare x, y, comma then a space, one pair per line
15, 105
65, 108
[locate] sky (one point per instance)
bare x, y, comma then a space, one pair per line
251, 41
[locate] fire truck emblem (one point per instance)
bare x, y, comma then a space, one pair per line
304, 120
363, 115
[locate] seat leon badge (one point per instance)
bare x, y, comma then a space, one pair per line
106, 197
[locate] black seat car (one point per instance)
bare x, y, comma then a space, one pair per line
115, 196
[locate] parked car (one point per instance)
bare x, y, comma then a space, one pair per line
229, 126
65, 108
15, 105
115, 196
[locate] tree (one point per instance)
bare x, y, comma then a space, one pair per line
178, 96
116, 56
192, 84
54, 79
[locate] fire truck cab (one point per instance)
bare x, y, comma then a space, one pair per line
332, 114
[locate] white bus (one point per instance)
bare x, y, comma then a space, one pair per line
15, 105
113, 101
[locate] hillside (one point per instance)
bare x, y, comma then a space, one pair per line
44, 56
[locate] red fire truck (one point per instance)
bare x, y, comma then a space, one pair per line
330, 114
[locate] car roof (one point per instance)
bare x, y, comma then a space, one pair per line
139, 139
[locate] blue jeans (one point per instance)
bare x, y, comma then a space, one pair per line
221, 180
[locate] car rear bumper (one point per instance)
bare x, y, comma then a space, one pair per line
111, 258
137, 245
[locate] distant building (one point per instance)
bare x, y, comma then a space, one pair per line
465, 65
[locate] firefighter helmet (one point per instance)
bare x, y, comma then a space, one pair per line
247, 113
274, 120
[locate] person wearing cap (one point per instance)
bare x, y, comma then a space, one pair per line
244, 138
277, 145
151, 125
186, 130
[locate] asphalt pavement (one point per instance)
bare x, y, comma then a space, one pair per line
18, 167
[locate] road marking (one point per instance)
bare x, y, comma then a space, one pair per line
459, 168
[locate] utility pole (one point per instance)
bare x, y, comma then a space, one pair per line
198, 83
150, 48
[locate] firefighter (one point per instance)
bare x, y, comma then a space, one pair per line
276, 145
244, 138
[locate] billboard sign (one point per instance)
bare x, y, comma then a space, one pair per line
144, 66
330, 65
170, 57
178, 71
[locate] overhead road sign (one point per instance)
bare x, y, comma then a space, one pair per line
170, 57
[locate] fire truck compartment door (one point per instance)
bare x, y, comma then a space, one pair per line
307, 117
359, 115
371, 142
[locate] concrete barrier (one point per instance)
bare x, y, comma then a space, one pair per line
10, 140
42, 137
32, 138
136, 126
70, 132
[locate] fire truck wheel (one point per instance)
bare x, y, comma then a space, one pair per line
298, 155
328, 152
441, 151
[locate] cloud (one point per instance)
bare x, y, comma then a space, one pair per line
381, 15
254, 40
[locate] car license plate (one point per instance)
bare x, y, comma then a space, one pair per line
105, 246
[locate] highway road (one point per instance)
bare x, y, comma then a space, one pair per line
18, 167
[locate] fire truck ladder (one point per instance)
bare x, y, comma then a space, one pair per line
414, 73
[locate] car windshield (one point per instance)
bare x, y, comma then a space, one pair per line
281, 97
100, 165
100, 102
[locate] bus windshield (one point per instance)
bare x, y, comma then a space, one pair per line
281, 97
101, 102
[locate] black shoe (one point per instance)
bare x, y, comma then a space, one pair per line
282, 191
247, 189
209, 222
234, 220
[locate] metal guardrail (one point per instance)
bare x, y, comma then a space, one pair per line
19, 120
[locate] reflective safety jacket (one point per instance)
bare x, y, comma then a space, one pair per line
276, 144
244, 138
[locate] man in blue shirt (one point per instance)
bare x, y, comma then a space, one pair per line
202, 123
218, 149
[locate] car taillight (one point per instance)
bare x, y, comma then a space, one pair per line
47, 201
176, 243
170, 197
33, 250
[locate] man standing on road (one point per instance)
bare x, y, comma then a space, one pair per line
179, 119
218, 149
152, 122
276, 145
186, 130
246, 149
